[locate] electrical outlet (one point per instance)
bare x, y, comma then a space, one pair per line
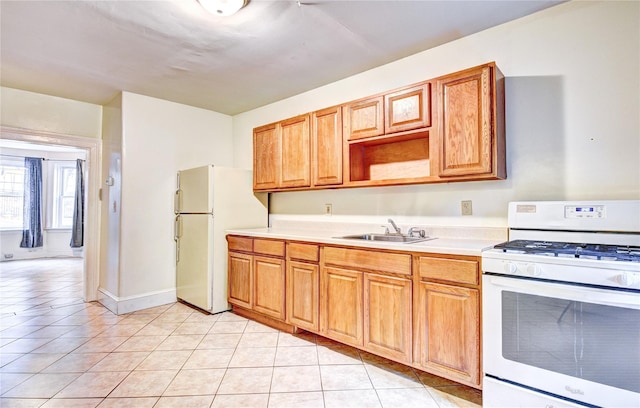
327, 209
466, 208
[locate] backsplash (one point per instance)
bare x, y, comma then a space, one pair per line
342, 225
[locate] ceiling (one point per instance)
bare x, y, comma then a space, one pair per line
174, 50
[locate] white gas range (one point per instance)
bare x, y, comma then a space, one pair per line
561, 306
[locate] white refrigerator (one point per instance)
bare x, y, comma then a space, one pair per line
208, 201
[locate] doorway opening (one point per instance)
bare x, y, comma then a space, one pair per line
91, 147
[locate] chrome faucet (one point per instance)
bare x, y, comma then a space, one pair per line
395, 227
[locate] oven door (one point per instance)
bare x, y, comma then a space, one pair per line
575, 342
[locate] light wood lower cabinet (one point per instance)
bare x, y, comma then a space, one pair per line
387, 316
303, 295
364, 301
240, 279
341, 305
303, 286
449, 331
448, 318
268, 286
417, 309
257, 276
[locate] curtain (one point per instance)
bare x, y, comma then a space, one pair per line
32, 210
77, 230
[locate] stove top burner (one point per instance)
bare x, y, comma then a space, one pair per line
571, 249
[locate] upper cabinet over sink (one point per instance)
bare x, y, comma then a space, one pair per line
445, 129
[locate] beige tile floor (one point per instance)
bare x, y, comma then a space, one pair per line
57, 351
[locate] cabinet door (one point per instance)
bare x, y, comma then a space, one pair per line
364, 118
341, 305
303, 291
266, 157
466, 125
408, 109
268, 286
449, 331
240, 270
296, 154
387, 316
327, 146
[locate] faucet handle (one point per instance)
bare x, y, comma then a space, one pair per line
386, 229
421, 233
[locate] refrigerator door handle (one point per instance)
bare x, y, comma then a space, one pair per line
177, 232
177, 228
176, 201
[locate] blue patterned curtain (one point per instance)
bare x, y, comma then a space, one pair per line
32, 213
77, 231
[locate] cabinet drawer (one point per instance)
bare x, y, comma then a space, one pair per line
370, 260
304, 252
452, 270
268, 247
240, 243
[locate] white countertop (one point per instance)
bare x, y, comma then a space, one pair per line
445, 245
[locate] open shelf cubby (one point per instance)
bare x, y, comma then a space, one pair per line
390, 157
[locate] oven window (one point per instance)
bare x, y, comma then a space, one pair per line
584, 340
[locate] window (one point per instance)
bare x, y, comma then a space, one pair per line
11, 193
59, 181
63, 194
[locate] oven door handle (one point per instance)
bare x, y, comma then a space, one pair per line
617, 298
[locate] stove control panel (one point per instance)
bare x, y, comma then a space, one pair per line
522, 268
613, 274
584, 211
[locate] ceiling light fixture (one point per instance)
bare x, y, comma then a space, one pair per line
222, 7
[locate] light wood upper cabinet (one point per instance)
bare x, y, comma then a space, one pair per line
408, 109
446, 129
282, 154
296, 153
471, 123
364, 118
266, 157
326, 136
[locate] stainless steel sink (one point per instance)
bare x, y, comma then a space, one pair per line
405, 239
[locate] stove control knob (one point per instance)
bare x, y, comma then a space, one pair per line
628, 279
510, 268
534, 270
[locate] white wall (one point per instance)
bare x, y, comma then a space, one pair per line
572, 116
111, 197
160, 138
45, 113
29, 110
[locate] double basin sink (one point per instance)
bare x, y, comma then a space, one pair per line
399, 238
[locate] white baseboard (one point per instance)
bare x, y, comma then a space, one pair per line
122, 305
